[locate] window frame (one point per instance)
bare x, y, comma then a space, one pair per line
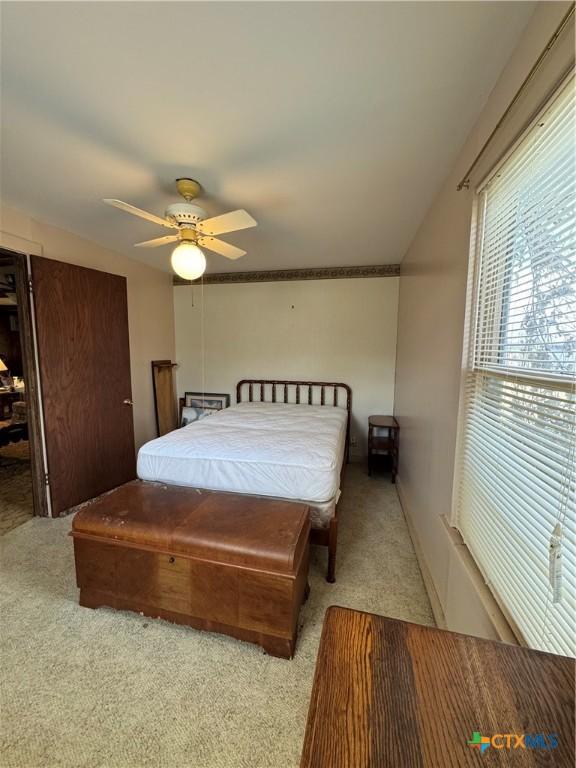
470, 371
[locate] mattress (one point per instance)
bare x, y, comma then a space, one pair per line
265, 449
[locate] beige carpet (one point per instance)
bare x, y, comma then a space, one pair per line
16, 504
95, 689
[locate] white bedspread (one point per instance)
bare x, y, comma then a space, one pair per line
265, 449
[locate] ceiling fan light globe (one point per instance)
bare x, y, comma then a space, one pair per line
188, 261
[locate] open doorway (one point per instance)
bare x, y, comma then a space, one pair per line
16, 496
80, 429
21, 491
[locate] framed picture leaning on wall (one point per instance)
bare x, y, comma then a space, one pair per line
198, 405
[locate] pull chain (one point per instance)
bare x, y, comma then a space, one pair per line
202, 339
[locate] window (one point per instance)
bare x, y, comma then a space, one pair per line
515, 502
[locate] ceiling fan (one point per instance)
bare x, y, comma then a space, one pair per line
194, 229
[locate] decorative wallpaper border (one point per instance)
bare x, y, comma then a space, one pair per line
275, 275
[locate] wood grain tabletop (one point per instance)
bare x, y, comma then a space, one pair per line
388, 693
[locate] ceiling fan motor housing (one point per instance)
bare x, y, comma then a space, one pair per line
185, 214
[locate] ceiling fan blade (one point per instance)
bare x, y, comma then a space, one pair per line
157, 241
219, 246
139, 212
228, 222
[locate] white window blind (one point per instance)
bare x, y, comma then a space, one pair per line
515, 493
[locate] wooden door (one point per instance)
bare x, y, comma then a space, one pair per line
84, 362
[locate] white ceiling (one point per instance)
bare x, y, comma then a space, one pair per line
332, 123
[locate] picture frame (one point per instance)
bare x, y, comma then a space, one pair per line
195, 406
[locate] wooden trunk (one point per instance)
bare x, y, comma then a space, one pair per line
215, 561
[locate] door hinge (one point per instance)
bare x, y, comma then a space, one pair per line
46, 478
30, 285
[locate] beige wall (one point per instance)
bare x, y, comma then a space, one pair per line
324, 330
150, 309
430, 339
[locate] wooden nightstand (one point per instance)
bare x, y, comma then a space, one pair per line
383, 444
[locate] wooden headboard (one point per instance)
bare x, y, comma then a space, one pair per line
280, 391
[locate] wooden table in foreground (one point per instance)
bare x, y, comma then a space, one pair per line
389, 694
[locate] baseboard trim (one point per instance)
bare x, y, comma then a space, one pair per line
435, 603
503, 627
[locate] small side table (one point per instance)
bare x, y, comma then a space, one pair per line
378, 444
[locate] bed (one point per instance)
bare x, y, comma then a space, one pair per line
282, 439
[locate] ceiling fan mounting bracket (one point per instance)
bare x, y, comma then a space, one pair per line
185, 214
188, 188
